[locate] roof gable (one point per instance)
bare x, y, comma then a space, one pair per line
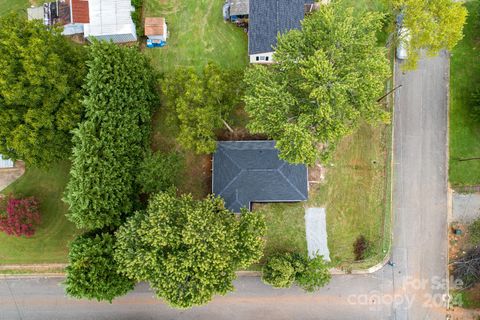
251, 171
154, 26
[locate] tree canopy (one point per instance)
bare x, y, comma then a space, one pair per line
110, 144
92, 272
41, 74
326, 80
201, 103
432, 25
188, 250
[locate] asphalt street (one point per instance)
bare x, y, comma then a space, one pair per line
413, 289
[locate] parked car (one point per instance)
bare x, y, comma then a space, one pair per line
403, 40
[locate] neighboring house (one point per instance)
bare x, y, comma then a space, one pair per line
100, 19
156, 29
268, 19
246, 172
6, 163
110, 20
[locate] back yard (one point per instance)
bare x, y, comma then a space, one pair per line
198, 35
464, 128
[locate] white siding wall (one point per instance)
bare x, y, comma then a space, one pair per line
266, 57
5, 163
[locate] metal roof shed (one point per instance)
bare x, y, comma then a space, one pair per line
110, 20
6, 163
245, 172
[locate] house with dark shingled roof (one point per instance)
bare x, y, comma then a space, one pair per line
246, 172
268, 19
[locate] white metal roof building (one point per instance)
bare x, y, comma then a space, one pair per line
111, 20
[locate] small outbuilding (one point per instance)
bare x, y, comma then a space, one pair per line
156, 29
246, 172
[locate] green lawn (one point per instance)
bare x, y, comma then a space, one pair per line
356, 196
197, 35
12, 5
464, 131
49, 244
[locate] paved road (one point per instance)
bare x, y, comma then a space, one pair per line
414, 289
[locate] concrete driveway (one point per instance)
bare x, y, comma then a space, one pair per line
414, 289
8, 176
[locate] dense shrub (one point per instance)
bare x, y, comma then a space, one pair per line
279, 272
19, 217
467, 267
110, 144
159, 171
283, 270
314, 274
92, 271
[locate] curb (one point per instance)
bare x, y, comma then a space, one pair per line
449, 190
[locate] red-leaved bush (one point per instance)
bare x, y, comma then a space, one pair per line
19, 217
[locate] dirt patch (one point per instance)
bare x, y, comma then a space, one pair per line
458, 242
197, 176
239, 134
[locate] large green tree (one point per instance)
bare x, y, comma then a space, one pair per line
432, 25
110, 144
92, 272
326, 80
41, 74
188, 250
201, 103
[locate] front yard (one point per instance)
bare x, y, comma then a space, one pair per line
356, 196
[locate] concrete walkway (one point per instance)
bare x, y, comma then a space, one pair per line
316, 230
466, 207
8, 176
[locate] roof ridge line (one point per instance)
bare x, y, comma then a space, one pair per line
289, 182
238, 174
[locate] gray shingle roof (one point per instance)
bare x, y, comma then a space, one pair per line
239, 7
270, 17
251, 171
